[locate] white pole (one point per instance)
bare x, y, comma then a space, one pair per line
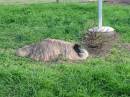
100, 27
99, 13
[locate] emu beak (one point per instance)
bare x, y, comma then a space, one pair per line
83, 54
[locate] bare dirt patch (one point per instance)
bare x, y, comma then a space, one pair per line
126, 46
118, 1
100, 44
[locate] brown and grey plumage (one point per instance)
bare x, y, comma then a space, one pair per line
50, 49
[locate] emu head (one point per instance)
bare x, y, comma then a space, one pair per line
24, 52
82, 53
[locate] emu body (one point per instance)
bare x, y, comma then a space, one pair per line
51, 49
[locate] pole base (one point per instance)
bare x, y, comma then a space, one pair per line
99, 41
102, 29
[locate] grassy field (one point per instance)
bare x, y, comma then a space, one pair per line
25, 1
36, 1
98, 77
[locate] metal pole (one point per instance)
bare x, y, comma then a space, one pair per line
100, 27
99, 13
57, 1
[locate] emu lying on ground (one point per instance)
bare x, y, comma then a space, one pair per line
51, 49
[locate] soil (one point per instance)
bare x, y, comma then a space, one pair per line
126, 46
118, 1
100, 44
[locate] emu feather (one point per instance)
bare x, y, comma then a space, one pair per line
51, 49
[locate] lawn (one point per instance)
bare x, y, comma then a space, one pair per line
96, 77
36, 1
25, 1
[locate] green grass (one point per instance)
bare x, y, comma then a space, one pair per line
37, 1
98, 77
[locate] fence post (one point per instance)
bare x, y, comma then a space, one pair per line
100, 27
57, 1
99, 13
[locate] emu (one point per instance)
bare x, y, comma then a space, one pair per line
51, 49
